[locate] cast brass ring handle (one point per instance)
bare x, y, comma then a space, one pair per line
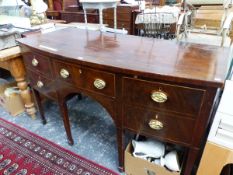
64, 73
155, 124
34, 62
40, 84
99, 83
159, 96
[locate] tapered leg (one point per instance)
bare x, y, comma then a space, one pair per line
191, 158
39, 105
64, 114
17, 70
120, 143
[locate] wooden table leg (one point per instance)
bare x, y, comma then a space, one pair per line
191, 158
17, 70
39, 105
65, 117
120, 143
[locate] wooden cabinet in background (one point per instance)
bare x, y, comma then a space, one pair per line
124, 17
78, 16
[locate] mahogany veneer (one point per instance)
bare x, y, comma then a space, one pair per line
133, 69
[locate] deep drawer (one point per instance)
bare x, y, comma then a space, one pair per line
170, 128
38, 63
96, 81
163, 97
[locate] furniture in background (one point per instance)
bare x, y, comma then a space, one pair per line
158, 22
218, 150
124, 17
11, 60
173, 92
78, 16
55, 7
206, 21
100, 5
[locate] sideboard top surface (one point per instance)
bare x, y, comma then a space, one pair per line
152, 58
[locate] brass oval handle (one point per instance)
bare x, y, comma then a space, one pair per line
35, 62
159, 96
40, 84
155, 124
64, 73
99, 83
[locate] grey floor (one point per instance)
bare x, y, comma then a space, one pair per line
93, 130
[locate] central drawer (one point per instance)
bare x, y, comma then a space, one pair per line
96, 81
160, 125
163, 97
86, 78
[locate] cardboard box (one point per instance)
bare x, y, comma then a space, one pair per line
12, 104
138, 166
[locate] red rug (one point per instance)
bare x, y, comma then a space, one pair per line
24, 153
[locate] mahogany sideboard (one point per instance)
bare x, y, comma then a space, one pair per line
157, 88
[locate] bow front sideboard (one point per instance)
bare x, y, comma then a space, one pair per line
157, 88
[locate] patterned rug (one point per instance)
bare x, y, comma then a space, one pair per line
24, 153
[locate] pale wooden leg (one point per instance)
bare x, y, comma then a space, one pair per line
101, 17
17, 70
85, 15
115, 18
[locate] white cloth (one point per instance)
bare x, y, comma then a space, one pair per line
148, 148
165, 14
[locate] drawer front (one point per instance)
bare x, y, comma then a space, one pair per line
120, 24
38, 63
42, 84
95, 81
120, 16
163, 97
120, 9
64, 71
170, 128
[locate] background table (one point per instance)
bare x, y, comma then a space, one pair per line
10, 59
100, 5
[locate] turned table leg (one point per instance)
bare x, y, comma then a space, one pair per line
17, 70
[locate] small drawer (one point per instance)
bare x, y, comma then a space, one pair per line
96, 81
63, 71
156, 124
42, 84
38, 63
163, 97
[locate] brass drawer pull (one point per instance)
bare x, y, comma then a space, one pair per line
159, 96
64, 73
99, 83
40, 84
155, 124
35, 62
